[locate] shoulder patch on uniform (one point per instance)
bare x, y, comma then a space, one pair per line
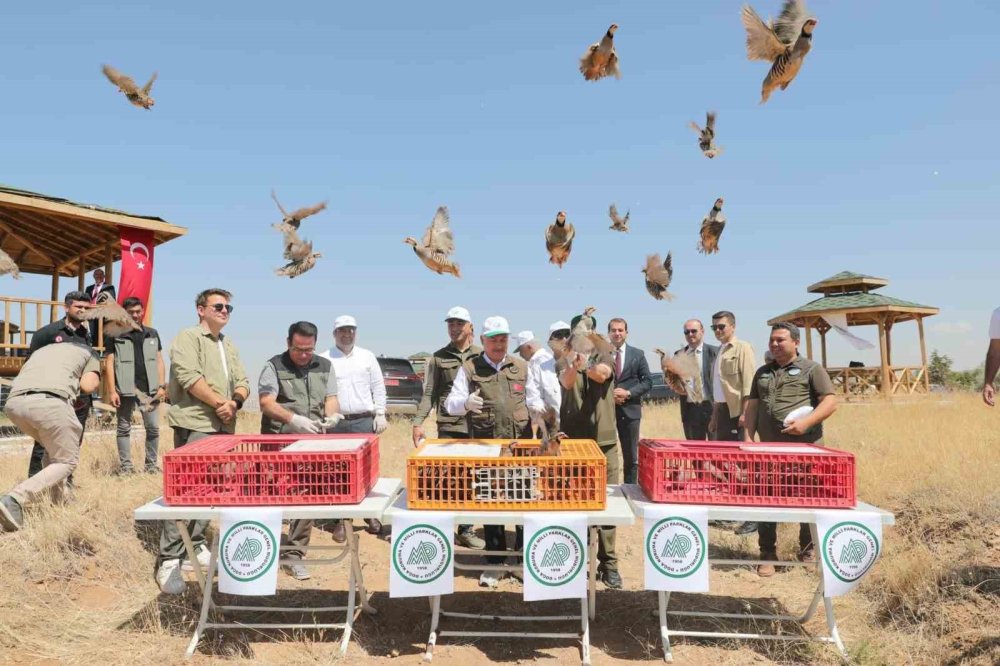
794, 371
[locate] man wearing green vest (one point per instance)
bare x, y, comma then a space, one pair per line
439, 376
588, 412
490, 391
132, 363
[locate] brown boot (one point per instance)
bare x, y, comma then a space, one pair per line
766, 570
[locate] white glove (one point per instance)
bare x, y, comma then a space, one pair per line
302, 424
474, 403
380, 424
330, 422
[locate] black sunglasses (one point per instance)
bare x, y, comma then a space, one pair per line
690, 331
718, 327
219, 307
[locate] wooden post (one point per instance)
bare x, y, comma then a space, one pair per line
109, 265
809, 342
822, 344
883, 354
54, 296
923, 355
888, 340
81, 275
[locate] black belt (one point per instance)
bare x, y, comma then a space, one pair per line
50, 394
359, 415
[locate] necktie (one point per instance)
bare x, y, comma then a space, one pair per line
97, 291
618, 363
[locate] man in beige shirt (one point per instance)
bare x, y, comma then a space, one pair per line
207, 387
41, 405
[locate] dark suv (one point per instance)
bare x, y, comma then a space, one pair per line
660, 392
403, 387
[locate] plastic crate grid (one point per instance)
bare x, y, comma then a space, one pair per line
754, 474
248, 470
574, 480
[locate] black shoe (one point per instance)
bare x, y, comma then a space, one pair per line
374, 526
748, 527
11, 515
335, 528
611, 579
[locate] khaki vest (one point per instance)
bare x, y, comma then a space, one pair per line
300, 390
446, 364
125, 362
505, 407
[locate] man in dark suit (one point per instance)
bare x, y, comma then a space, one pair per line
95, 290
632, 381
696, 406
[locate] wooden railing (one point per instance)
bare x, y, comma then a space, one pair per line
21, 318
867, 381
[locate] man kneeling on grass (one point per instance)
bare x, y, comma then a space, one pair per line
41, 405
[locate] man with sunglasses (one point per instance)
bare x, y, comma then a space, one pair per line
207, 387
697, 414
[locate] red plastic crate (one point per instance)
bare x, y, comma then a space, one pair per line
249, 470
745, 473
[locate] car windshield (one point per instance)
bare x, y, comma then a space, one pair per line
656, 377
395, 366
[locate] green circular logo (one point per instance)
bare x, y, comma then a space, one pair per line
421, 553
248, 550
554, 555
676, 547
849, 550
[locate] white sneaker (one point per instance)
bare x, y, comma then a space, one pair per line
203, 555
169, 578
297, 571
490, 579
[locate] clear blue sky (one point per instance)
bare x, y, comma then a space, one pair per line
880, 158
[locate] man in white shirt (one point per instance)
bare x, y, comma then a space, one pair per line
542, 389
992, 360
360, 392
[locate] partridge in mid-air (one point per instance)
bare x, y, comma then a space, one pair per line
295, 249
116, 320
437, 245
294, 219
618, 223
784, 42
127, 86
8, 266
711, 228
658, 276
297, 267
559, 240
601, 60
677, 370
706, 136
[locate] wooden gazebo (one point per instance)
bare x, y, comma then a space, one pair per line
52, 236
850, 294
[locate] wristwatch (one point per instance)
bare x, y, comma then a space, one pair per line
238, 400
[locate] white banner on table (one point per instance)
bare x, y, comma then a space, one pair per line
848, 547
423, 562
555, 556
248, 551
676, 548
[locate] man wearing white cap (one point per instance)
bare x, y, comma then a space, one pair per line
490, 390
439, 376
360, 392
543, 389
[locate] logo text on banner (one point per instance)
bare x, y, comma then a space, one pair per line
248, 551
555, 557
676, 548
422, 556
848, 548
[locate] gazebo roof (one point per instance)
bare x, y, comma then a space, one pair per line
846, 281
46, 234
860, 309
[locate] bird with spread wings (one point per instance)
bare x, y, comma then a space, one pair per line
117, 321
128, 87
618, 223
658, 276
559, 240
784, 42
8, 266
711, 229
437, 245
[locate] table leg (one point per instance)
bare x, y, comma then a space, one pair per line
360, 578
592, 572
206, 594
352, 545
435, 617
189, 547
831, 620
664, 599
585, 626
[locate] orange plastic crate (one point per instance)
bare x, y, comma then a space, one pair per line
576, 479
745, 473
249, 470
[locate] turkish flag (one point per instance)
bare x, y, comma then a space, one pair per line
137, 264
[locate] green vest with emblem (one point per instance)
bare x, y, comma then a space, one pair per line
446, 363
300, 390
125, 362
505, 406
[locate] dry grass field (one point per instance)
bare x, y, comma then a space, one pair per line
76, 584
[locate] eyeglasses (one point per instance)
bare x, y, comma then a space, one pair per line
302, 350
219, 307
718, 327
690, 331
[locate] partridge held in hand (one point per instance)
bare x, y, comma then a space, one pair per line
600, 60
559, 240
711, 229
116, 320
437, 245
784, 42
677, 370
706, 136
618, 223
658, 276
127, 86
8, 267
291, 221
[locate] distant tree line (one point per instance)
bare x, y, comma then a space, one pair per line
941, 374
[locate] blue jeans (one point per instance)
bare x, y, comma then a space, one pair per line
150, 420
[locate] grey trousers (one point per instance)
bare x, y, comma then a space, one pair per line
150, 420
171, 544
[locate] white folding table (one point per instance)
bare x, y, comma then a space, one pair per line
638, 501
373, 506
616, 513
